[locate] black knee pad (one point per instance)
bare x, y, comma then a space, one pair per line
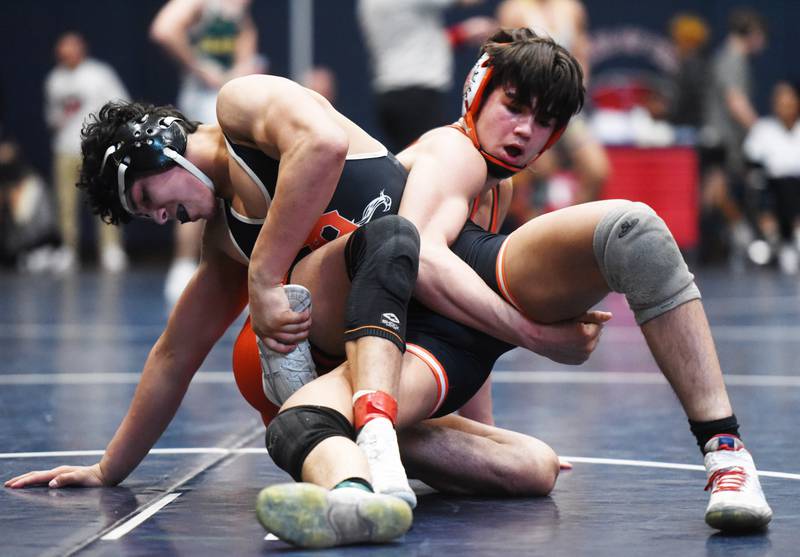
382, 259
293, 434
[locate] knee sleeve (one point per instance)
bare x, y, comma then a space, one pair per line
382, 259
294, 433
638, 257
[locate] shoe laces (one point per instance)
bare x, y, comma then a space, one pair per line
727, 479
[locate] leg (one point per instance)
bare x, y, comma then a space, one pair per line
315, 444
456, 455
319, 448
184, 260
479, 407
112, 255
381, 259
635, 254
66, 170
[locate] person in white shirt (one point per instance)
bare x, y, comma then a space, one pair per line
76, 87
774, 144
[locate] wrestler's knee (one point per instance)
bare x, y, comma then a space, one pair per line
537, 477
529, 469
639, 257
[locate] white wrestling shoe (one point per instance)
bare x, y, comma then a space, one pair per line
737, 502
378, 440
307, 515
283, 374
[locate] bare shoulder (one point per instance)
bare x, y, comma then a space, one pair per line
447, 146
241, 100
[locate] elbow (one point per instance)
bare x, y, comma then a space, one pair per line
160, 34
332, 146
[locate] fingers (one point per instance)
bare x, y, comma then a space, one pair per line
598, 317
37, 477
76, 477
277, 346
564, 464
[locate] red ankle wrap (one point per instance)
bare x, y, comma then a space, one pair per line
374, 405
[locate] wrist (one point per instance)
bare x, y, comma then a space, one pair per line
103, 475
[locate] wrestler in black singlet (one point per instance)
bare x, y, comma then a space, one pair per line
466, 354
371, 187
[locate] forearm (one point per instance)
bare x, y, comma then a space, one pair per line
207, 307
466, 299
154, 404
303, 192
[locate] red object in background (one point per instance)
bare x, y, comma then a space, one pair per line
666, 179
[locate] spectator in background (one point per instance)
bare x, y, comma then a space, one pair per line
729, 114
566, 22
412, 61
773, 144
27, 216
75, 88
322, 80
212, 41
689, 34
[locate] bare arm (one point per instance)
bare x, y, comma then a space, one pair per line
446, 174
581, 45
740, 107
210, 303
282, 119
170, 30
441, 183
246, 48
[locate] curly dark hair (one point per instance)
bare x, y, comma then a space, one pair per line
96, 136
536, 68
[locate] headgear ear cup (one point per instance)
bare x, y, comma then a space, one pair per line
477, 79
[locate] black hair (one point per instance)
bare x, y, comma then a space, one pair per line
536, 68
96, 136
744, 21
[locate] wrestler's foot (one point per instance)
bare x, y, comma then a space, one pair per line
283, 374
378, 440
307, 515
737, 502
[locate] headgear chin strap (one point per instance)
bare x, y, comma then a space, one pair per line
148, 144
477, 81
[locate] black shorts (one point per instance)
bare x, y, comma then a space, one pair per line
461, 358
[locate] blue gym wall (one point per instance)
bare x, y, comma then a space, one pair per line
117, 34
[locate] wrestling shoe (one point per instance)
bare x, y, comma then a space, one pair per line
283, 374
737, 502
307, 515
378, 440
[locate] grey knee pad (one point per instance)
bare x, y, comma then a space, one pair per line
639, 258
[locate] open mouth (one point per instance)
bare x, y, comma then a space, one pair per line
512, 151
181, 214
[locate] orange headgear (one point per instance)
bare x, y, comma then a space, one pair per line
475, 85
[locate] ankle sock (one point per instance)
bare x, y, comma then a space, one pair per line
703, 431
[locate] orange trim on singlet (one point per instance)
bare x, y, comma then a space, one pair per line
475, 206
500, 275
375, 327
495, 206
439, 374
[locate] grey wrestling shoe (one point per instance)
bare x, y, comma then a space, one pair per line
737, 503
307, 515
283, 374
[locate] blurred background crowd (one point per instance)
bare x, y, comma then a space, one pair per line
692, 107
